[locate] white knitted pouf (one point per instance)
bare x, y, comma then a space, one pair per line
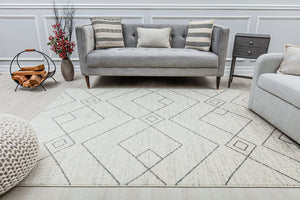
18, 151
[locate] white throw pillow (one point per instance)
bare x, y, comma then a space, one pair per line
291, 61
154, 37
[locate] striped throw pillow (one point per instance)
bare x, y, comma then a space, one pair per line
199, 35
108, 32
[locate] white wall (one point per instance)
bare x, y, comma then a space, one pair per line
26, 24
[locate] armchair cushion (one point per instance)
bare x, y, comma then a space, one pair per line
286, 87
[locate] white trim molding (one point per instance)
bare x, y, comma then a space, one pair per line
259, 18
141, 17
159, 6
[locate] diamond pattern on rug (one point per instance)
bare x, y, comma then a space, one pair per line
215, 102
59, 144
149, 158
152, 119
278, 140
230, 122
153, 101
150, 139
77, 119
241, 100
90, 100
160, 137
240, 145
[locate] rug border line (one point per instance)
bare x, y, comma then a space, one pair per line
155, 186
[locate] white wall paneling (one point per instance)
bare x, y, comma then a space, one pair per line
28, 25
283, 30
13, 37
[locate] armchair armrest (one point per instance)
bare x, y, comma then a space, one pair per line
85, 44
219, 46
267, 63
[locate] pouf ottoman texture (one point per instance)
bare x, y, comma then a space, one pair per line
18, 151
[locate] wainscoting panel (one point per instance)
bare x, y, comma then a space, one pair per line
283, 29
28, 25
13, 38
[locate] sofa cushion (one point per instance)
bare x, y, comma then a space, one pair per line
286, 87
152, 57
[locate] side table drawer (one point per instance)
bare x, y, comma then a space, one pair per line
248, 41
251, 52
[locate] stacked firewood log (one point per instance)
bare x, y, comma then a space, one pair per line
30, 76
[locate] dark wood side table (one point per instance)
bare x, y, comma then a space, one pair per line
248, 45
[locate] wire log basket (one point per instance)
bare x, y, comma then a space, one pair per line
48, 69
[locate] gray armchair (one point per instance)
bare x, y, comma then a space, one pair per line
276, 97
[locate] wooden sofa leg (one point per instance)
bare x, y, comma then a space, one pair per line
218, 82
87, 79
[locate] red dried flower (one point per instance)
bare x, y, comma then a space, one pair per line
60, 43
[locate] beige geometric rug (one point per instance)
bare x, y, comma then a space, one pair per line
160, 137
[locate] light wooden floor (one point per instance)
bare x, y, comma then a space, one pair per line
28, 103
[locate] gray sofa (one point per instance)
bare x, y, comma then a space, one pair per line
132, 61
276, 97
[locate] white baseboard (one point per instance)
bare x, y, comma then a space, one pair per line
241, 70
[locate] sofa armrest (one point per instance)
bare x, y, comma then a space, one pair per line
219, 46
267, 63
85, 44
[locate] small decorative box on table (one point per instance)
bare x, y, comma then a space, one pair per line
33, 76
248, 45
